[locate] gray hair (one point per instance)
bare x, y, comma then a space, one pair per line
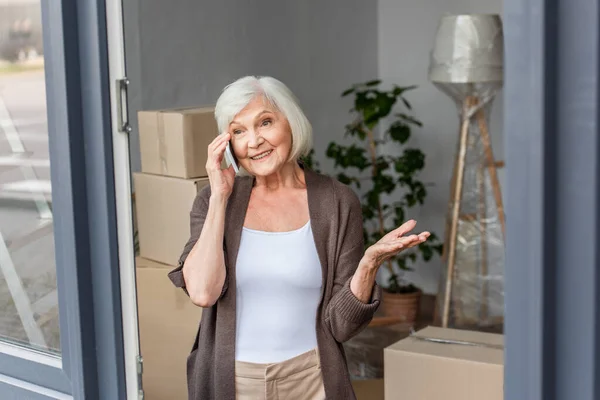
238, 94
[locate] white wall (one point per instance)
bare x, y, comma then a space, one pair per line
184, 52
406, 33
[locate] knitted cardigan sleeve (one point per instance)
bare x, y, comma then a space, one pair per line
345, 314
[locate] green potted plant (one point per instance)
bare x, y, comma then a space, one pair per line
390, 184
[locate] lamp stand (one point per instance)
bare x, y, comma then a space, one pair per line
473, 120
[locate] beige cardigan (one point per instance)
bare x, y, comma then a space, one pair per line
337, 225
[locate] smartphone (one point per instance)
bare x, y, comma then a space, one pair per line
231, 158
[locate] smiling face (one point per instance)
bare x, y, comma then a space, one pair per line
261, 138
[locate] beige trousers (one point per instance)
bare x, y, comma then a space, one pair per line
298, 378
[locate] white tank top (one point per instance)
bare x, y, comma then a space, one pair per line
278, 288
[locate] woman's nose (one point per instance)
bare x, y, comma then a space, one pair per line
254, 139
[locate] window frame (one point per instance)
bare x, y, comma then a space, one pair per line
91, 364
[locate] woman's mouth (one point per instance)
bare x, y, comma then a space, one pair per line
262, 155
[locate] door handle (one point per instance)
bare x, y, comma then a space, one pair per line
122, 111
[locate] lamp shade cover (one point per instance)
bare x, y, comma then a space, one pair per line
468, 49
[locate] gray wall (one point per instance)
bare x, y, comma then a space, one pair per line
406, 33
184, 52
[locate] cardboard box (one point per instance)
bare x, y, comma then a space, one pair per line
168, 322
174, 142
368, 389
420, 369
163, 206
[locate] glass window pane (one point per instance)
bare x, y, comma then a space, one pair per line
28, 293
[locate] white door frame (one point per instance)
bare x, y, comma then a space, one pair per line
122, 172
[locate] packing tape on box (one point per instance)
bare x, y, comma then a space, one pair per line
414, 335
162, 143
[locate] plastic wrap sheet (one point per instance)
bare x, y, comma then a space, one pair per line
477, 287
364, 352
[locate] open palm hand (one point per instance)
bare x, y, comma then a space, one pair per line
394, 242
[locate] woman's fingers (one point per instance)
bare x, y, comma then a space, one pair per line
218, 141
424, 236
402, 229
221, 147
217, 149
388, 249
413, 240
406, 242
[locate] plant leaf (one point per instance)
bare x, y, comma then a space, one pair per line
401, 262
373, 82
399, 220
426, 251
399, 132
367, 212
409, 119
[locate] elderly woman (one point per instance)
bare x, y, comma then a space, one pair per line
276, 258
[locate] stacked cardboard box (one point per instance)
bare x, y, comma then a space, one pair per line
173, 148
163, 207
168, 322
445, 364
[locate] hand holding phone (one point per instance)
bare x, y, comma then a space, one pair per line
231, 158
221, 180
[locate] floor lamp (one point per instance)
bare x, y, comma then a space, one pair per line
467, 65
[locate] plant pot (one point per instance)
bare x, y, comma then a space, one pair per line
404, 306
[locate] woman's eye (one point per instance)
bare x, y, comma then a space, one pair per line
266, 122
236, 131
